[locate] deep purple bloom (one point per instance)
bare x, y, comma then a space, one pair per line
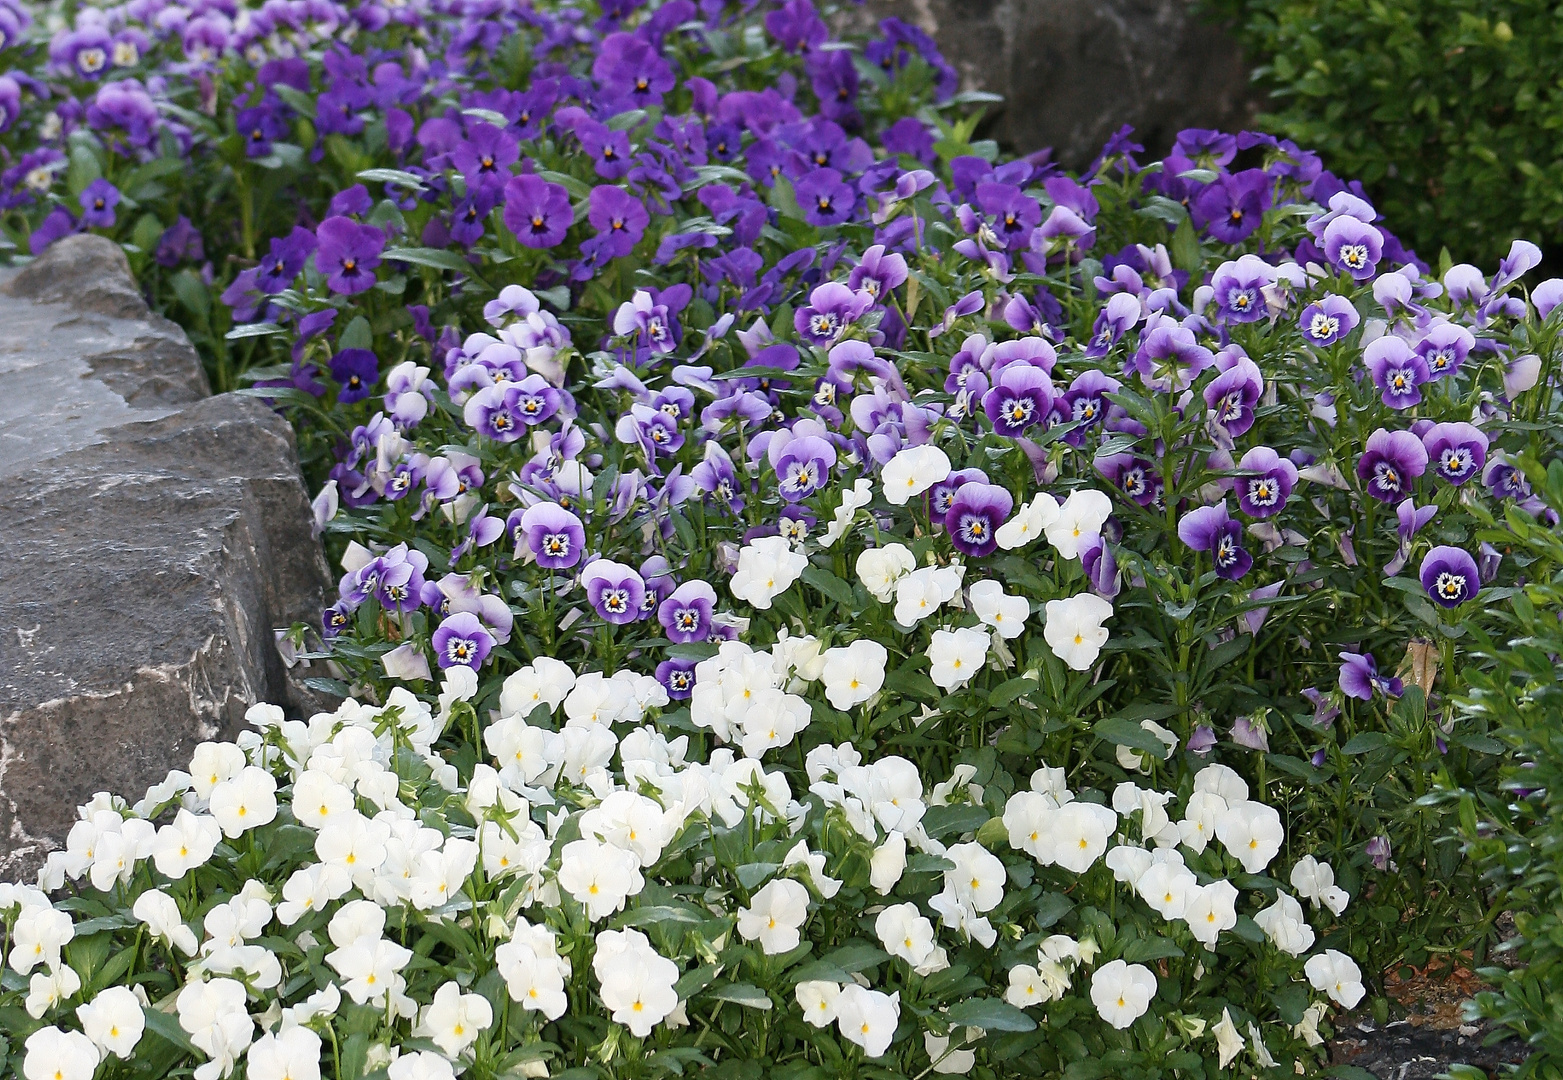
1022, 395
1327, 321
824, 197
1353, 246
1233, 206
462, 641
484, 159
975, 514
1100, 566
942, 495
1118, 316
1359, 677
1504, 480
356, 371
630, 69
1268, 483
618, 215
1397, 371
98, 200
1390, 464
347, 253
1456, 451
686, 615
281, 265
181, 242
1014, 212
1450, 576
834, 79
1212, 529
609, 150
537, 212
260, 126
555, 536
616, 591
797, 27
1444, 348
57, 223
677, 677
1232, 395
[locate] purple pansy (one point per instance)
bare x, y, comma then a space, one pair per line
555, 536
1444, 348
1397, 371
1232, 395
1353, 246
1390, 464
1328, 320
832, 307
1085, 404
98, 200
976, 512
1267, 483
677, 678
686, 614
1022, 395
877, 273
1450, 576
461, 640
1359, 678
1240, 289
802, 461
1456, 451
619, 217
615, 591
1212, 529
824, 198
356, 371
536, 212
347, 254
1169, 358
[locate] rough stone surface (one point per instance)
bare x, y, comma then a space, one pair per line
153, 539
1404, 1050
1073, 71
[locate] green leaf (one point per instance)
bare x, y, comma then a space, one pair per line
249, 330
951, 820
1365, 742
653, 914
1123, 732
990, 1014
854, 958
829, 584
358, 335
1012, 690
301, 102
166, 1027
695, 981
1142, 950
438, 258
394, 176
750, 997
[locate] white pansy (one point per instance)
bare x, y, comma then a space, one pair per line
317, 798
355, 921
814, 863
868, 1017
956, 656
1006, 614
817, 998
905, 932
1080, 834
38, 936
1073, 628
1284, 924
1252, 833
545, 681
291, 1054
888, 863
879, 568
53, 1054
245, 801
1211, 909
1221, 780
636, 983
853, 500
766, 568
454, 1020
46, 989
1315, 881
1201, 814
1336, 974
1229, 1041
775, 915
922, 592
1122, 992
948, 1062
1029, 523
1167, 886
214, 1015
854, 673
599, 876
211, 764
370, 969
1081, 517
113, 1020
913, 471
185, 843
533, 970
977, 877
1028, 818
160, 912
421, 1065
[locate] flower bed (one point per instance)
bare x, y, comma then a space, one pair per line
817, 598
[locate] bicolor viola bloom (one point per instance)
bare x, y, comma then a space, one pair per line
1397, 371
1444, 348
1456, 451
1328, 320
1240, 289
976, 512
1119, 315
1353, 246
1359, 678
616, 591
1232, 395
1450, 576
1085, 404
686, 614
832, 307
802, 458
1212, 529
1169, 358
1391, 463
554, 535
878, 273
461, 640
1134, 476
1266, 483
1504, 479
1409, 518
1022, 395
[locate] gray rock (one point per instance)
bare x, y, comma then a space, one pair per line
154, 539
1073, 71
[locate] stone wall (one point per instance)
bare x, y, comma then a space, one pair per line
1073, 71
152, 538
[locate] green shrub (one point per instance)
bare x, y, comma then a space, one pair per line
1516, 833
1449, 111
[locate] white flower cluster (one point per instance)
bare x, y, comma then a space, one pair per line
572, 820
